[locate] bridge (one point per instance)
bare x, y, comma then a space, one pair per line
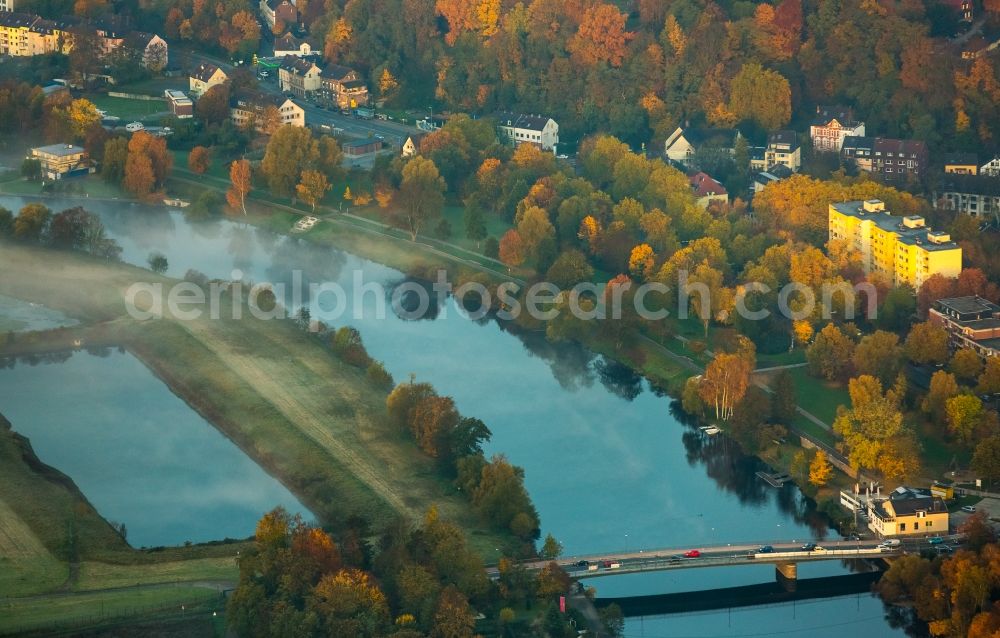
784, 555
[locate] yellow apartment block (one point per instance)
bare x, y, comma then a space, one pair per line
902, 250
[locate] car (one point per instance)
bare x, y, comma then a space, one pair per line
765, 549
968, 508
582, 563
808, 547
606, 564
935, 540
676, 558
944, 549
132, 127
692, 553
890, 543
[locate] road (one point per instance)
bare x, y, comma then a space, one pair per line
724, 555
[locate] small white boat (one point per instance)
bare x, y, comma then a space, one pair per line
176, 202
710, 430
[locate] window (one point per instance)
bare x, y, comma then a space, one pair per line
902, 527
929, 524
916, 526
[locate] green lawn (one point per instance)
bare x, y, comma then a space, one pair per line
126, 109
19, 615
818, 397
495, 226
91, 186
155, 86
95, 575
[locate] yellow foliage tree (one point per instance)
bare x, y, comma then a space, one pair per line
642, 261
820, 470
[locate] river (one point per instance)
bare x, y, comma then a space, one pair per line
607, 463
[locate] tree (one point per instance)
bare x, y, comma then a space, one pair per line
453, 617
989, 380
986, 459
158, 262
820, 470
641, 262
115, 158
879, 355
330, 158
943, 386
927, 343
139, 177
830, 354
601, 36
213, 106
570, 268
241, 183
966, 364
873, 429
761, 95
148, 164
31, 223
964, 414
31, 169
725, 382
534, 227
421, 193
205, 206
475, 222
512, 249
290, 151
199, 160
312, 187
783, 403
552, 548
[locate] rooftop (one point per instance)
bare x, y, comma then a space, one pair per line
969, 305
704, 185
530, 122
783, 138
205, 72
920, 235
61, 150
961, 159
843, 114
336, 72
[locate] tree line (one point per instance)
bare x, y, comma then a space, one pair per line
72, 229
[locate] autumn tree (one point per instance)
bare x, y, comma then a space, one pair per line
964, 412
31, 223
148, 164
879, 355
199, 160
601, 36
512, 252
873, 429
927, 343
642, 261
453, 617
80, 116
725, 382
290, 152
966, 364
943, 386
986, 459
421, 195
330, 158
989, 379
312, 187
114, 160
820, 470
213, 106
240, 185
761, 95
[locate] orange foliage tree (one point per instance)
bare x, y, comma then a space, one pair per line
601, 37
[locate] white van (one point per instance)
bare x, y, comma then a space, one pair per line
890, 543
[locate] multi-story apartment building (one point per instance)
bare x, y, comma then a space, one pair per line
344, 87
299, 76
961, 164
14, 30
900, 250
831, 125
972, 322
518, 128
264, 112
976, 195
890, 160
25, 35
783, 149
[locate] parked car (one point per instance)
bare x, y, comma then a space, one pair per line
132, 127
692, 553
935, 540
944, 549
765, 549
968, 508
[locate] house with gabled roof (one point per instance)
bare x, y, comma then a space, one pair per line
684, 142
707, 190
275, 10
521, 128
299, 76
831, 125
288, 44
205, 77
343, 86
264, 112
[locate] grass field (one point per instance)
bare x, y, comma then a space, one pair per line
18, 615
820, 397
312, 421
91, 186
26, 566
94, 575
126, 109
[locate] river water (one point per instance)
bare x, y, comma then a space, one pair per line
608, 464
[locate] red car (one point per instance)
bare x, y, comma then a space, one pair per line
692, 553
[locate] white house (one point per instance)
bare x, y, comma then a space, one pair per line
290, 45
412, 145
518, 128
831, 125
991, 168
299, 76
205, 77
683, 143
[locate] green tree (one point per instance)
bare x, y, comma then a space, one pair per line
290, 151
157, 262
966, 364
831, 354
761, 95
6, 222
964, 414
421, 194
330, 158
552, 548
570, 268
115, 156
784, 406
986, 459
475, 222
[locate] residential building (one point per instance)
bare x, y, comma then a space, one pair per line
783, 149
971, 322
961, 164
6, 5
831, 125
283, 10
288, 44
180, 104
763, 178
899, 250
205, 77
299, 76
14, 30
357, 148
25, 35
976, 195
684, 143
344, 87
991, 168
62, 160
889, 159
908, 512
48, 36
518, 128
757, 154
155, 50
412, 145
707, 190
265, 112
963, 8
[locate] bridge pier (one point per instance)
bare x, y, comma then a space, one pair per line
787, 574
